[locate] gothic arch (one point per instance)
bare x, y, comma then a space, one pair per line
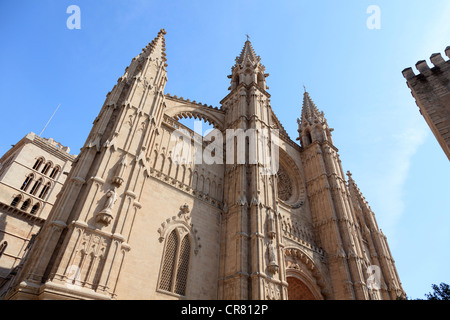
210, 115
300, 289
301, 266
181, 220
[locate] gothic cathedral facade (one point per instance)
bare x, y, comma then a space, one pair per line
134, 222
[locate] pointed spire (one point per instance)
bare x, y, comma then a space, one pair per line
156, 47
355, 191
248, 69
312, 125
155, 50
248, 53
309, 109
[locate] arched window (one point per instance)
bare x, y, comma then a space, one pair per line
35, 208
45, 190
27, 182
15, 201
175, 265
46, 168
38, 163
36, 186
25, 205
54, 172
3, 246
308, 138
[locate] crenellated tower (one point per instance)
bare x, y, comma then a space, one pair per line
431, 90
83, 243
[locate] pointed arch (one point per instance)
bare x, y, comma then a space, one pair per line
38, 163
45, 190
35, 208
178, 109
307, 270
47, 167
36, 186
27, 182
25, 205
174, 270
16, 200
55, 172
298, 289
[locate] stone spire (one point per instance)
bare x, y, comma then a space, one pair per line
157, 46
155, 50
310, 113
248, 69
312, 124
248, 54
108, 171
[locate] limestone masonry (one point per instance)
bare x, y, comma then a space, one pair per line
126, 219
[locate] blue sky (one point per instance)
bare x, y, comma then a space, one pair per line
353, 74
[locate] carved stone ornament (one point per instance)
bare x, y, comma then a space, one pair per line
272, 291
118, 178
271, 225
184, 208
284, 185
105, 217
180, 221
272, 267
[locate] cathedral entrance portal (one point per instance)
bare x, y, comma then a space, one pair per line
297, 290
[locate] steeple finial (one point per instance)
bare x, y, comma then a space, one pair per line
248, 68
309, 109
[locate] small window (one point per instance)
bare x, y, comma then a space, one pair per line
54, 172
35, 208
45, 190
15, 201
46, 168
36, 186
25, 205
308, 138
3, 246
27, 182
38, 163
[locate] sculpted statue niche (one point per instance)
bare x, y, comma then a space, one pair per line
284, 185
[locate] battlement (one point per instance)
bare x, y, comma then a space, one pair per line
436, 59
431, 90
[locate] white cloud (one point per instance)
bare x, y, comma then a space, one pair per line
386, 146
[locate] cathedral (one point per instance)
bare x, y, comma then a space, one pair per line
255, 215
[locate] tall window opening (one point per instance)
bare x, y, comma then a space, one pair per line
38, 163
27, 182
36, 186
175, 265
